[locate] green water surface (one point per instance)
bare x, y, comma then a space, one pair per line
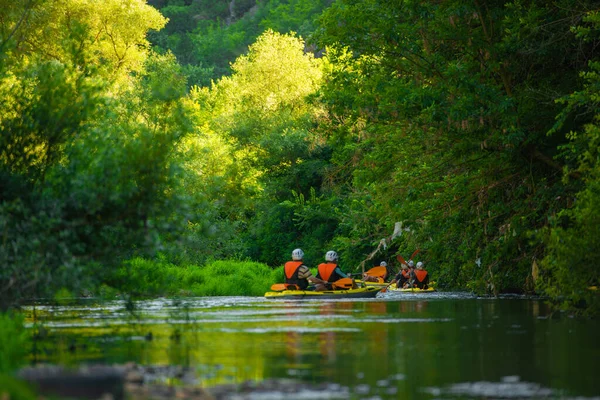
436, 345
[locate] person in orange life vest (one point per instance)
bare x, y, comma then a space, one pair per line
421, 277
388, 271
369, 278
330, 272
402, 278
411, 273
296, 273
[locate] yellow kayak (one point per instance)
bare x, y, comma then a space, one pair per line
364, 292
380, 285
411, 290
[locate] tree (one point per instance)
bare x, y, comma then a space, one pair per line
572, 264
439, 111
86, 145
109, 36
263, 114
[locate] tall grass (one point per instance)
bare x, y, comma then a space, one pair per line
14, 389
143, 277
14, 343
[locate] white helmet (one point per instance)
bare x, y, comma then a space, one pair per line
297, 255
419, 264
383, 264
411, 263
331, 256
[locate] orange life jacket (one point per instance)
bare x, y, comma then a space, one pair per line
421, 274
326, 271
291, 271
291, 267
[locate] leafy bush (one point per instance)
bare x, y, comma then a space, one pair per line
142, 277
14, 342
13, 389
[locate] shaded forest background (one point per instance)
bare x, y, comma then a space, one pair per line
177, 133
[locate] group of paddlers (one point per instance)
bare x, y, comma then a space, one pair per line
328, 273
411, 276
330, 276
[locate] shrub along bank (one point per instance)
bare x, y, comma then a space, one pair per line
141, 277
14, 342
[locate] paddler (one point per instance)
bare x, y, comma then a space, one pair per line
402, 278
369, 278
330, 272
296, 273
421, 276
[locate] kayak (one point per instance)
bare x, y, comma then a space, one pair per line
394, 288
359, 293
380, 285
411, 290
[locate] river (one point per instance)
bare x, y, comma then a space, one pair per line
399, 345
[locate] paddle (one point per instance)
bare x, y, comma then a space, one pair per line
278, 287
378, 272
375, 274
344, 283
414, 254
403, 261
386, 288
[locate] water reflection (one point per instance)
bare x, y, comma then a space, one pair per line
411, 346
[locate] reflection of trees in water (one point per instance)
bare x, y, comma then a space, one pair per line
327, 341
377, 307
412, 306
293, 348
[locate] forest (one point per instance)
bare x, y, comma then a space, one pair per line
156, 147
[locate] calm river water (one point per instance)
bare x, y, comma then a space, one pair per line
425, 346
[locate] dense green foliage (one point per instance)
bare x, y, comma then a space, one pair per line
572, 258
445, 123
469, 129
207, 35
88, 125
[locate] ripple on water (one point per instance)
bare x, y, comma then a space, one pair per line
170, 321
404, 320
509, 387
284, 390
397, 295
298, 329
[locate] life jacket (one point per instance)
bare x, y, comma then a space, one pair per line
326, 272
421, 274
422, 279
291, 270
404, 277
